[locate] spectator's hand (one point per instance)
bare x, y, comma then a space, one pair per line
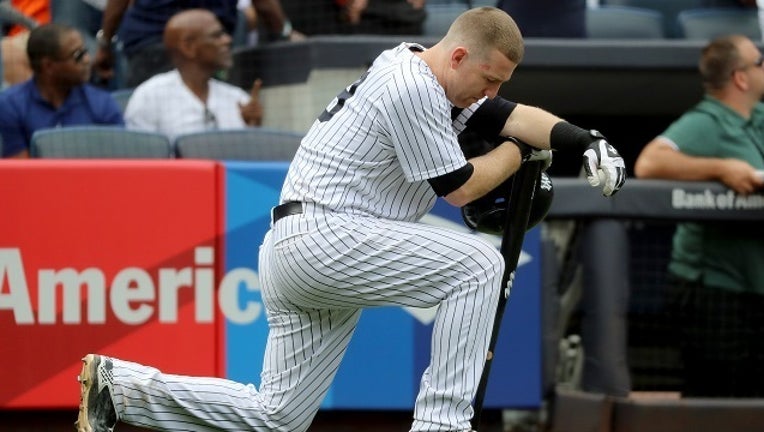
296, 36
416, 4
604, 166
103, 64
740, 176
252, 111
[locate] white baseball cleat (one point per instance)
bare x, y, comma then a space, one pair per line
97, 412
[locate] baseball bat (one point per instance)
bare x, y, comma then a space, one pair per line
519, 196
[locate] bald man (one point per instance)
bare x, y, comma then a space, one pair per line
188, 98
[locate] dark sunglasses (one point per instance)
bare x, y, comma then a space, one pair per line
76, 55
758, 63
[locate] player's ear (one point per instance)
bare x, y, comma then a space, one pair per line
458, 55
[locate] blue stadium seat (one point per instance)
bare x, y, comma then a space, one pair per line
671, 9
624, 22
440, 16
708, 23
259, 143
99, 142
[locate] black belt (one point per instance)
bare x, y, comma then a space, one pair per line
287, 209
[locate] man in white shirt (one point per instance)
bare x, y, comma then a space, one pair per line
188, 99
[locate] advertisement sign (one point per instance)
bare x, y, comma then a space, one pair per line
156, 262
110, 257
391, 346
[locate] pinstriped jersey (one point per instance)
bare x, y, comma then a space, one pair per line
375, 145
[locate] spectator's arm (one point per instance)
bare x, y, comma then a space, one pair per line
112, 17
276, 22
660, 159
103, 64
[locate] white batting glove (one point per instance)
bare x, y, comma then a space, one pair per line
605, 167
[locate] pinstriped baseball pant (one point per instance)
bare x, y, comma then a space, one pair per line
317, 272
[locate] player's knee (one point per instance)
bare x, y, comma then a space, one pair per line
488, 267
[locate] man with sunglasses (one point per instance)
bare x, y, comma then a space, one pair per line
57, 95
718, 268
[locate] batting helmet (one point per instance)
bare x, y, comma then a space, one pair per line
486, 214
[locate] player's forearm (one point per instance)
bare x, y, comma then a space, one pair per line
490, 170
531, 125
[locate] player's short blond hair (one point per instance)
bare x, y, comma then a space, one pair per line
485, 28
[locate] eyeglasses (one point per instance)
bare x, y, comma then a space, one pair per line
77, 55
758, 63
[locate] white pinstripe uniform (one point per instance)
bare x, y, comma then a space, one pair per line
361, 173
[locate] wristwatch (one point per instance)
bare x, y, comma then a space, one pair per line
286, 31
102, 41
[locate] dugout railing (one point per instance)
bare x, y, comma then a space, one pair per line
621, 247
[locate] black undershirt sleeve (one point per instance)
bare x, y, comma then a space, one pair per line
489, 119
486, 122
447, 183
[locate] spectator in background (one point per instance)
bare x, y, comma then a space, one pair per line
325, 17
548, 18
57, 94
249, 34
719, 267
142, 23
16, 67
393, 17
38, 11
188, 98
315, 17
18, 17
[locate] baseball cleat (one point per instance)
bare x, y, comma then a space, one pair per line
97, 412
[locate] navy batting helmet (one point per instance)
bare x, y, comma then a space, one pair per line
486, 214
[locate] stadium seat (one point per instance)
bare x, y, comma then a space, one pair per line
708, 23
669, 8
481, 3
440, 16
624, 22
258, 143
122, 96
99, 142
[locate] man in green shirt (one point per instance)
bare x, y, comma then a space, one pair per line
719, 267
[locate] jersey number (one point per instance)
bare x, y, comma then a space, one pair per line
338, 102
